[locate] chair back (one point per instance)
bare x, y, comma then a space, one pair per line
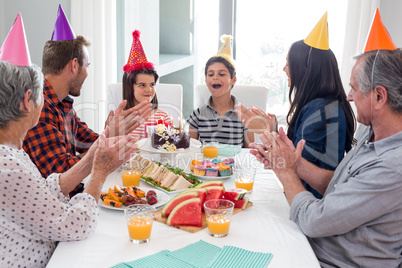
247, 95
170, 98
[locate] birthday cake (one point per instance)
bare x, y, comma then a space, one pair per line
169, 138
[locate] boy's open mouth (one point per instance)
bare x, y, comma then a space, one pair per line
216, 86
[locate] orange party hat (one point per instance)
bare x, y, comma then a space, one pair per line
15, 47
318, 37
378, 37
137, 59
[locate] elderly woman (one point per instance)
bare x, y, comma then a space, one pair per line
36, 212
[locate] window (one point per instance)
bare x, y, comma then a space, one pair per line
265, 31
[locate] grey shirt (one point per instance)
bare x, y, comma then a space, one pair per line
358, 223
210, 125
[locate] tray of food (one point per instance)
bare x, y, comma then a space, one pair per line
118, 197
165, 177
184, 211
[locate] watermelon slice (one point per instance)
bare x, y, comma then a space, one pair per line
209, 183
242, 203
214, 192
186, 213
235, 194
202, 194
167, 209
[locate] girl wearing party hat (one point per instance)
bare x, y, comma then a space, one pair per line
139, 81
319, 112
217, 119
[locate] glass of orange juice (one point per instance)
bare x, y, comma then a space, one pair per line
130, 177
218, 213
139, 219
244, 177
210, 149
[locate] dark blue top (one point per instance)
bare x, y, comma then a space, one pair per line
322, 123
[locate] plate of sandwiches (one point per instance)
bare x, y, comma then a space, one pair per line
145, 145
166, 178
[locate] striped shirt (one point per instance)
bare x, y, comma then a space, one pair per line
160, 114
210, 125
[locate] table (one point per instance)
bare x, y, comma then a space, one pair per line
264, 227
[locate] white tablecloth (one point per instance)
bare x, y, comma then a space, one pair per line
264, 227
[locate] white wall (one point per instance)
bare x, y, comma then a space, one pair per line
390, 11
39, 18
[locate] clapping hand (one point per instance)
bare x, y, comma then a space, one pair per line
277, 151
256, 120
123, 122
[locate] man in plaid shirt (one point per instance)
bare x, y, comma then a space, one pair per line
61, 139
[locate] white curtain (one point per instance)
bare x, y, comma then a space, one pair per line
358, 21
96, 21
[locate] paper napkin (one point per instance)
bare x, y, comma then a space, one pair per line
198, 254
231, 256
157, 260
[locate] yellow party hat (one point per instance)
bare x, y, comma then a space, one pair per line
225, 51
318, 37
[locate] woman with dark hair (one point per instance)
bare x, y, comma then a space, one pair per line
139, 81
319, 113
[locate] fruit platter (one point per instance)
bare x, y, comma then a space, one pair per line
118, 197
165, 177
185, 210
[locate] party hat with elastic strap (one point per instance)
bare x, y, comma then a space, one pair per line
15, 47
225, 51
137, 59
378, 37
62, 28
318, 37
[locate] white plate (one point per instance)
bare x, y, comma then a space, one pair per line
145, 145
163, 190
208, 178
162, 197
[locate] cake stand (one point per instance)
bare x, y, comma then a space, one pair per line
171, 157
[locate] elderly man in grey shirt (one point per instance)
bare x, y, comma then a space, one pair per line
358, 223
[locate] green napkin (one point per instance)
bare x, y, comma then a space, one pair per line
231, 256
157, 260
198, 254
228, 150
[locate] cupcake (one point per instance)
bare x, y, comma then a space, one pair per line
212, 172
216, 161
206, 162
199, 170
220, 164
228, 160
194, 163
225, 171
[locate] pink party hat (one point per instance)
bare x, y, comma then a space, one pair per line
62, 28
15, 47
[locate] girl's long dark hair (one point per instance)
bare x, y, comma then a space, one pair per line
314, 74
128, 83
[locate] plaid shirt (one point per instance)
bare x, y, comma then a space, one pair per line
59, 135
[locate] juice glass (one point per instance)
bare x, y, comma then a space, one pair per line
139, 219
130, 177
244, 178
210, 149
218, 213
